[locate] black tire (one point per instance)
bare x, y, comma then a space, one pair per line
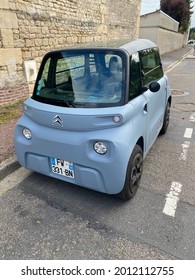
133, 174
166, 119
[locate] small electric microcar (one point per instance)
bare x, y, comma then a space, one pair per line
94, 114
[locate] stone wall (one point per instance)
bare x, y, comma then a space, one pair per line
30, 28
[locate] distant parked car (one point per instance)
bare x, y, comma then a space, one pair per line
191, 42
95, 112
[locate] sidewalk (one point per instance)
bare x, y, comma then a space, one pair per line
172, 58
8, 161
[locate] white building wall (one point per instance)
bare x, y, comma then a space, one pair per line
162, 30
169, 41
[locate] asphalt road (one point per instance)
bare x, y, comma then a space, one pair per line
43, 218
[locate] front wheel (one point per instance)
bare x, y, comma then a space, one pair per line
166, 119
133, 174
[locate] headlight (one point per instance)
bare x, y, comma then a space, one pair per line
100, 148
27, 133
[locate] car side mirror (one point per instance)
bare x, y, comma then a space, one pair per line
154, 87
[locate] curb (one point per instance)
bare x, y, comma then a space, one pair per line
8, 166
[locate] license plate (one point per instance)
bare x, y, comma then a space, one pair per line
62, 167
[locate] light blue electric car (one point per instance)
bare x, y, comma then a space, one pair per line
94, 114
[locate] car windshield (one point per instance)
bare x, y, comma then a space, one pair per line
82, 78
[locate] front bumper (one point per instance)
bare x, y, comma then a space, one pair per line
103, 173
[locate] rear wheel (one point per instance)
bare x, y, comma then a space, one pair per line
133, 174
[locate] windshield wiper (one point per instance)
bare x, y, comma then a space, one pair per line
53, 101
70, 104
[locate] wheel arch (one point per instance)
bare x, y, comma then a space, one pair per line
170, 100
140, 142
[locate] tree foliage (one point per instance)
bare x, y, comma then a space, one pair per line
180, 10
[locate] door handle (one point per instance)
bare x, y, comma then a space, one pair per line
146, 108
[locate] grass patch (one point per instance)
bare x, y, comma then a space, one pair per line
10, 111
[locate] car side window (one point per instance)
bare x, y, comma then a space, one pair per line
135, 76
151, 65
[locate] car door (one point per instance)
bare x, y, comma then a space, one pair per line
154, 107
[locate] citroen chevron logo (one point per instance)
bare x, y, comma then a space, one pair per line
57, 120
